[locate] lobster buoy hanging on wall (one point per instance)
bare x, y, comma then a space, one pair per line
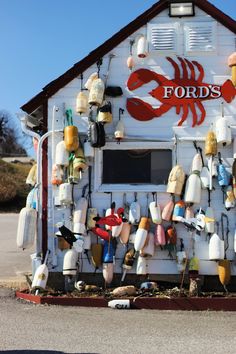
205, 178
81, 103
70, 262
155, 211
61, 155
230, 199
224, 271
125, 232
130, 63
193, 189
179, 211
105, 113
141, 268
80, 211
57, 174
134, 212
232, 65
223, 132
41, 276
79, 162
71, 138
120, 129
141, 233
26, 228
108, 252
176, 180
159, 237
92, 77
210, 144
96, 93
96, 255
130, 60
65, 193
167, 211
142, 47
197, 163
71, 135
32, 176
107, 272
149, 248
216, 248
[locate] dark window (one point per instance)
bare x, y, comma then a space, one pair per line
136, 166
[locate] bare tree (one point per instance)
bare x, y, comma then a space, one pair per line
12, 141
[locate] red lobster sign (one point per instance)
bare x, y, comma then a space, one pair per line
185, 92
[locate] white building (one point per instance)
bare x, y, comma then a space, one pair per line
186, 65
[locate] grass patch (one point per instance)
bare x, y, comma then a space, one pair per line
13, 189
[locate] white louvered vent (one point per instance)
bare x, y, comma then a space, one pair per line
200, 37
163, 38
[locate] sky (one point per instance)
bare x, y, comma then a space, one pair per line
41, 39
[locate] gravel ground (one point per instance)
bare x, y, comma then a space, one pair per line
40, 328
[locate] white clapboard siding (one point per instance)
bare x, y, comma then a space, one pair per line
201, 39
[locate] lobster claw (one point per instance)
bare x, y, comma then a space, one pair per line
143, 111
139, 109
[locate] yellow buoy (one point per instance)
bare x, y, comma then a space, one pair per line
224, 271
232, 65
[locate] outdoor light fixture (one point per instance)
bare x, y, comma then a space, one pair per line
181, 8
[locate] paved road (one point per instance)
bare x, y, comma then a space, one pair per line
14, 262
30, 327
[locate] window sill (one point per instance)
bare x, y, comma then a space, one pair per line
131, 188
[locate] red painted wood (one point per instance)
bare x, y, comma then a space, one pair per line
185, 92
182, 304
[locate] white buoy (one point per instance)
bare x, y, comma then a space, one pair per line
134, 213
223, 132
70, 262
65, 193
96, 93
181, 260
80, 211
41, 275
88, 150
142, 50
61, 154
116, 230
119, 304
205, 178
107, 271
216, 248
141, 233
92, 213
141, 268
155, 211
91, 78
197, 163
81, 103
149, 249
26, 228
193, 189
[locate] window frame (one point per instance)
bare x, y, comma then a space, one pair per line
129, 187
